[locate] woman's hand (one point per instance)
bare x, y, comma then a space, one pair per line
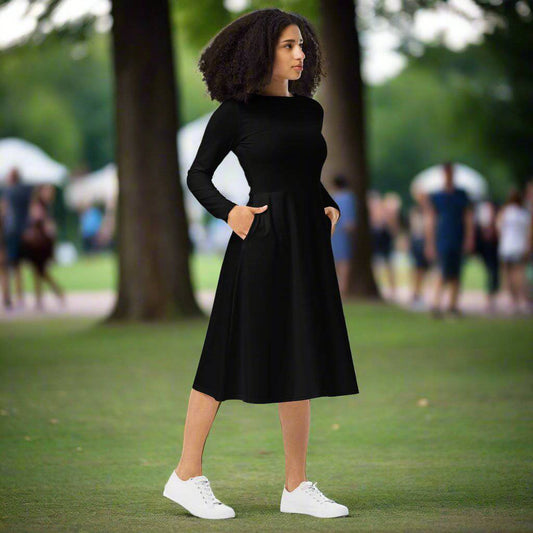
241, 217
333, 215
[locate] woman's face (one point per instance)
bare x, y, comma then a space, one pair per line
289, 54
36, 210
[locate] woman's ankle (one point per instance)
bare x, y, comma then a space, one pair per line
292, 484
185, 474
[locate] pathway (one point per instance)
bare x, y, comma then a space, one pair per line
99, 304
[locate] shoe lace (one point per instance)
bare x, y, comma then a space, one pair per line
315, 493
206, 492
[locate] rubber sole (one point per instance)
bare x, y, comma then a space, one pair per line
167, 494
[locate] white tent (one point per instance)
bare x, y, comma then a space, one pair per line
98, 187
34, 165
432, 180
229, 178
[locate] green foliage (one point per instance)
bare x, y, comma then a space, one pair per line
189, 17
444, 105
58, 96
406, 116
472, 106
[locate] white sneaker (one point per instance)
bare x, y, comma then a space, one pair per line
307, 499
196, 496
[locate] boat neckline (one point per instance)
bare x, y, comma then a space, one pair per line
275, 96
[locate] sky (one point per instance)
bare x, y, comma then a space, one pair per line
458, 23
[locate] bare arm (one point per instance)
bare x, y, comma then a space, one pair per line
530, 240
469, 230
429, 229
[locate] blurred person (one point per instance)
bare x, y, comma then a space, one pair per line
104, 239
90, 224
514, 228
417, 239
449, 235
392, 206
487, 248
47, 194
382, 236
16, 199
342, 239
4, 279
528, 196
528, 204
38, 241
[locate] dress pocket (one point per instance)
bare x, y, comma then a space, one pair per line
327, 222
253, 225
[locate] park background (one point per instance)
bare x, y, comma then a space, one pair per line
93, 409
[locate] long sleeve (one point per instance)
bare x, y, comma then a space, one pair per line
327, 200
218, 140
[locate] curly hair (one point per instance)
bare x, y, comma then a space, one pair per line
239, 59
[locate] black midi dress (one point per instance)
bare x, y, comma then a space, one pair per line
277, 330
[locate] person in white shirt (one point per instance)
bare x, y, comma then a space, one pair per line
514, 228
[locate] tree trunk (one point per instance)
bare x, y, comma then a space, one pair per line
152, 236
344, 128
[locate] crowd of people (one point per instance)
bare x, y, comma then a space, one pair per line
443, 228
27, 234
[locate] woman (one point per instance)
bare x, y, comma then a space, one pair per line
342, 239
38, 242
514, 227
421, 265
276, 332
486, 237
382, 231
4, 278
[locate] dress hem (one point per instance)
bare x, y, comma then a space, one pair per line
263, 401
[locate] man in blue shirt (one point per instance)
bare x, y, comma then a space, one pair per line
16, 201
450, 233
342, 238
90, 224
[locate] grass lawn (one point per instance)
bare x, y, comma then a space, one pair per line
92, 422
99, 273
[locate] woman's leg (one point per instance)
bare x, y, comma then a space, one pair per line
295, 422
391, 277
513, 286
506, 286
418, 280
4, 280
201, 412
19, 289
439, 288
53, 284
521, 284
493, 277
37, 283
454, 293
